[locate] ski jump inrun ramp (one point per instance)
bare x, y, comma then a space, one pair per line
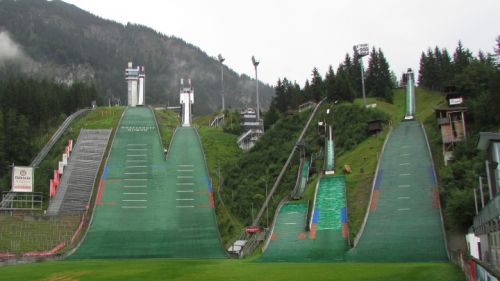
403, 221
147, 206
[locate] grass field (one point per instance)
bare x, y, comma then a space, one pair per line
221, 270
167, 122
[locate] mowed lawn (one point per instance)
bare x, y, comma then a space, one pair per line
159, 269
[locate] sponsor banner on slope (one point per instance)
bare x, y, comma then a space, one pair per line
22, 179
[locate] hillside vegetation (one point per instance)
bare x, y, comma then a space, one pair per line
20, 234
30, 112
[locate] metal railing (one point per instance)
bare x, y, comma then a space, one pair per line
55, 137
488, 213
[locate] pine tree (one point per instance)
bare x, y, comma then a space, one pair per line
461, 58
343, 89
422, 69
3, 162
378, 76
317, 89
271, 116
497, 51
355, 73
385, 84
330, 84
280, 100
372, 73
446, 68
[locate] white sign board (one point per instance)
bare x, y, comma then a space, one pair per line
65, 159
61, 167
22, 179
456, 101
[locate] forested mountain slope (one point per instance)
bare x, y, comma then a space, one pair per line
55, 40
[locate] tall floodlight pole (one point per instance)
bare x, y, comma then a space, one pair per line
255, 64
362, 50
221, 60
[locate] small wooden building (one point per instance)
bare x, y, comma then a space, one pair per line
451, 121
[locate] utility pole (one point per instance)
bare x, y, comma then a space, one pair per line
267, 208
221, 60
255, 64
362, 50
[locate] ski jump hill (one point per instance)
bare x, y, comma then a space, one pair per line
402, 223
148, 206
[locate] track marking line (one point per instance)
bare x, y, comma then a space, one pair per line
184, 170
405, 154
180, 191
137, 173
184, 183
404, 185
290, 223
184, 199
136, 167
403, 164
402, 175
137, 149
136, 155
137, 160
404, 197
184, 206
185, 177
142, 186
134, 200
136, 144
135, 193
134, 207
136, 179
185, 165
404, 209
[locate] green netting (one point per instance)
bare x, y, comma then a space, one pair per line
329, 202
324, 242
303, 177
405, 223
289, 240
150, 207
330, 155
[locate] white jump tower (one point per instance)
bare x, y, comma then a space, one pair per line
410, 95
136, 85
186, 100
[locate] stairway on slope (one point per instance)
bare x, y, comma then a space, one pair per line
74, 191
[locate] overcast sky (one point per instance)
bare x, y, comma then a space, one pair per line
291, 37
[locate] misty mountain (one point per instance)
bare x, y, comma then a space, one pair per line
61, 42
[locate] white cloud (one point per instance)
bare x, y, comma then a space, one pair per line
8, 48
